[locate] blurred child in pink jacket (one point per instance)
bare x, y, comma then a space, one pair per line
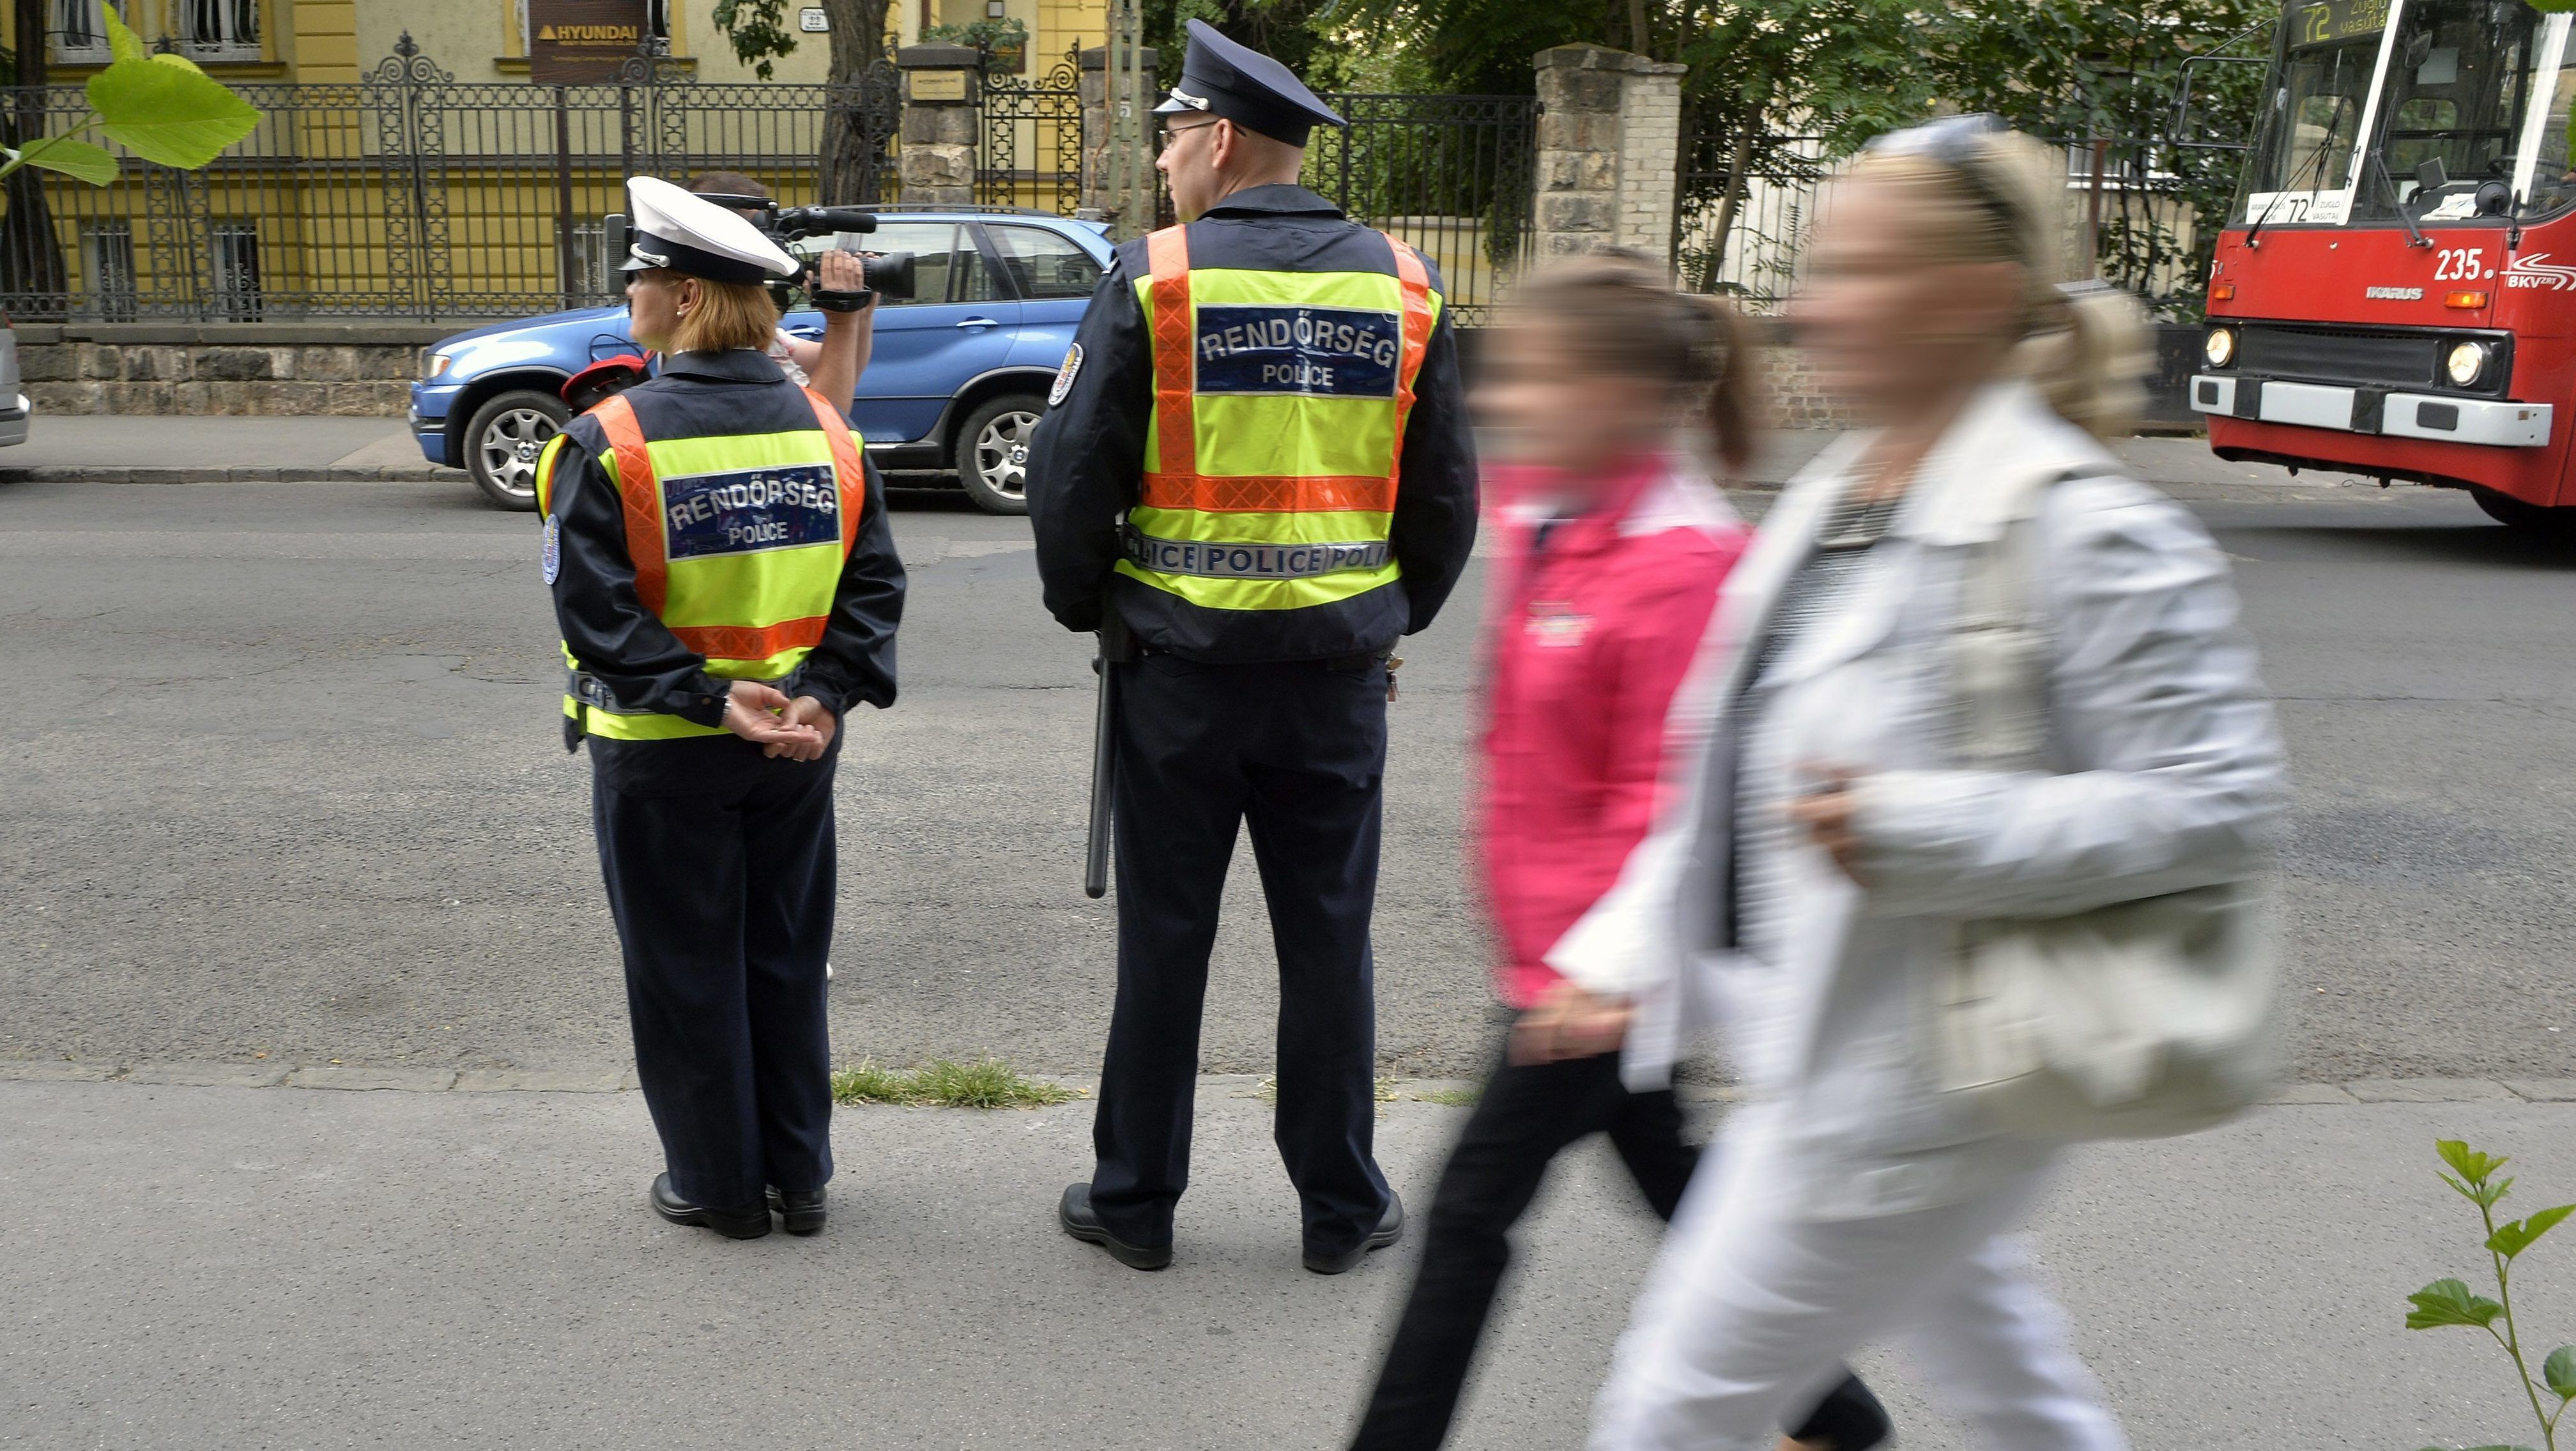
1603, 393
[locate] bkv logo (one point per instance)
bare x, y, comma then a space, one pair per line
2537, 270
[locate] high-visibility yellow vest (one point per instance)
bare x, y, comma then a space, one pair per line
738, 543
1272, 455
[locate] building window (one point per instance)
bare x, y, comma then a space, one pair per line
107, 260
80, 31
236, 259
218, 29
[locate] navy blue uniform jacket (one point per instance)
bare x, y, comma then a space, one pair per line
1087, 462
643, 664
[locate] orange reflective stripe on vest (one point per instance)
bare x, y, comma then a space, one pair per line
1416, 282
1175, 394
849, 468
642, 498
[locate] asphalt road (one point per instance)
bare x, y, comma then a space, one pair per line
284, 778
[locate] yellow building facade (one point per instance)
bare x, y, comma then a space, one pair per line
456, 189
486, 40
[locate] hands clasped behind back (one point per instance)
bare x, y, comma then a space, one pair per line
800, 729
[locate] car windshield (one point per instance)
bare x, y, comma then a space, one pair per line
2474, 96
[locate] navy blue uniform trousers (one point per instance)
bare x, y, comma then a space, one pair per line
1296, 751
720, 874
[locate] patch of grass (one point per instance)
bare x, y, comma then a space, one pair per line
945, 1083
1452, 1097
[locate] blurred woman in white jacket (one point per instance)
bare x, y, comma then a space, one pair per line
1805, 896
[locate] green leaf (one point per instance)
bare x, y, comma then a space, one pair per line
93, 164
122, 42
171, 57
162, 113
2513, 1238
2448, 1302
2467, 1162
2559, 1372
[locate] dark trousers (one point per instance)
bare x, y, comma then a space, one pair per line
1297, 752
721, 876
1527, 1115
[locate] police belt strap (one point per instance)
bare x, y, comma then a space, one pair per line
1231, 559
592, 692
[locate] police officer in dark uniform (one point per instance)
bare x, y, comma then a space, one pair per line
1257, 467
727, 587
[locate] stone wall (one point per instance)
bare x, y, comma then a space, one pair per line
935, 151
1609, 140
268, 369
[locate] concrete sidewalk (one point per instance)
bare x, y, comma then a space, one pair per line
115, 449
213, 1267
120, 450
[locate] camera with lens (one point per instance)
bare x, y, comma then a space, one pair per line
888, 274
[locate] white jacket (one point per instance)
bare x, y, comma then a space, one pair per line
2167, 775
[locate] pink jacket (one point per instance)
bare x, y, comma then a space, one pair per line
1585, 644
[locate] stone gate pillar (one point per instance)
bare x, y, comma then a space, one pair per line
935, 150
1099, 113
1609, 151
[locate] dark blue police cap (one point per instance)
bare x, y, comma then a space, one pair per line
1224, 78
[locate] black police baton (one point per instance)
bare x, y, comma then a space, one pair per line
1104, 751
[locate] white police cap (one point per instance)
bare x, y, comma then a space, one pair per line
685, 232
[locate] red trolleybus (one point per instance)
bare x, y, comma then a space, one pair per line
2394, 292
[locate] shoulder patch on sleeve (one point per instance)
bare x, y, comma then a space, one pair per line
1064, 375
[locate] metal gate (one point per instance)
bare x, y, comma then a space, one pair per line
1450, 174
1031, 147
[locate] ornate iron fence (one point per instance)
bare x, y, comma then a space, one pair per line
1450, 174
1032, 143
410, 194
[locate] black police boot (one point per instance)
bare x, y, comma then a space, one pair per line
803, 1210
1390, 1228
750, 1223
1074, 1213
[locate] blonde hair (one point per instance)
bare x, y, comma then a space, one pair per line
2084, 345
1629, 320
728, 315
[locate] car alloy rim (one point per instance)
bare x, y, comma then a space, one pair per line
1002, 454
511, 446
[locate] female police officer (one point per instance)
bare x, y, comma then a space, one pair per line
727, 585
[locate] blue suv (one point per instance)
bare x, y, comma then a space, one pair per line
957, 380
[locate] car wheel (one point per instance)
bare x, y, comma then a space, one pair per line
993, 452
2534, 521
503, 440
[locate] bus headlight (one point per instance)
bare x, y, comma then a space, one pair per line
2219, 348
2465, 363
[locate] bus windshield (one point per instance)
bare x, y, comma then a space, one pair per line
2303, 148
2468, 93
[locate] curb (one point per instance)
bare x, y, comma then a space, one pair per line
421, 473
404, 1078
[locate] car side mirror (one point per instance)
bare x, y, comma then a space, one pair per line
618, 235
2494, 199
